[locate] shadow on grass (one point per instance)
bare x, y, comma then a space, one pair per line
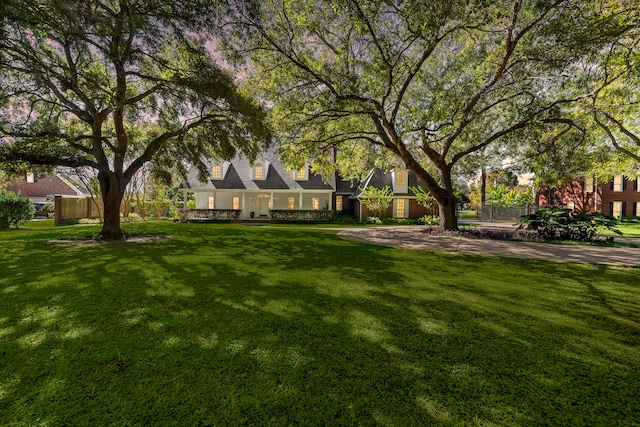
238, 325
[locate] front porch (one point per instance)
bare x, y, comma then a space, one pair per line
274, 205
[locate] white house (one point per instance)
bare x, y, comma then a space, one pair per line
256, 191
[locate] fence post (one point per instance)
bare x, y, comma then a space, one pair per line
57, 209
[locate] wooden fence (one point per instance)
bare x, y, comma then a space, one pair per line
72, 209
503, 213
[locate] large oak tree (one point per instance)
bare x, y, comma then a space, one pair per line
112, 85
425, 83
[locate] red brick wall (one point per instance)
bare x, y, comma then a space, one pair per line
630, 196
574, 192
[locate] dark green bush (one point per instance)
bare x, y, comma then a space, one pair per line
14, 208
566, 224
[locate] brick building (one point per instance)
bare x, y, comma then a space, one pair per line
619, 197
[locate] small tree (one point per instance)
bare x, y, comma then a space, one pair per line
14, 208
424, 197
377, 200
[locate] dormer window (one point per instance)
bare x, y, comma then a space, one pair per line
400, 181
216, 171
258, 171
31, 177
302, 174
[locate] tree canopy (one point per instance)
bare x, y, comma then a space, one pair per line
424, 83
114, 84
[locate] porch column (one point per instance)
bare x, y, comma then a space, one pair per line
300, 202
244, 209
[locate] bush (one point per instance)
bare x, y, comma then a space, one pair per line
342, 218
566, 224
429, 220
391, 221
14, 209
373, 220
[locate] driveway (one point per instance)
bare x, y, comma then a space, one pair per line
413, 238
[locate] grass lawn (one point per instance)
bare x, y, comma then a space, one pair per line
629, 230
239, 325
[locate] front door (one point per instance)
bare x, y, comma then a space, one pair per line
262, 204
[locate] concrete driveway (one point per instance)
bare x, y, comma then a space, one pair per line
410, 237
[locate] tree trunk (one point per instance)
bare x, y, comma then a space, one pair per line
447, 212
483, 186
112, 190
447, 201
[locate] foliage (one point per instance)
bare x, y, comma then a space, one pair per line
429, 220
566, 224
159, 205
342, 218
497, 233
373, 220
423, 83
191, 204
424, 197
377, 200
500, 195
14, 209
392, 221
112, 86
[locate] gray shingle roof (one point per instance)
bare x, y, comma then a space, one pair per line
240, 172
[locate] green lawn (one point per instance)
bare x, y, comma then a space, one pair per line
239, 325
629, 230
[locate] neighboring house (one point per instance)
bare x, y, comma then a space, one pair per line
239, 190
40, 189
619, 197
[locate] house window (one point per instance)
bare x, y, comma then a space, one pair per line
617, 210
236, 203
637, 184
315, 203
258, 171
400, 208
618, 183
216, 171
210, 202
588, 185
338, 203
31, 177
291, 203
401, 177
301, 174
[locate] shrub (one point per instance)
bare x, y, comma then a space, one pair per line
342, 218
14, 208
429, 220
373, 220
566, 224
377, 200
